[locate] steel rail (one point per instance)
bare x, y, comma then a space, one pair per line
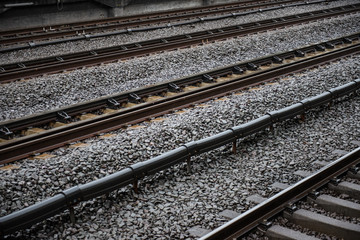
83, 31
88, 37
38, 67
23, 147
142, 29
269, 208
157, 89
139, 17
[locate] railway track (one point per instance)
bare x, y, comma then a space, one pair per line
310, 204
68, 198
60, 127
85, 28
20, 70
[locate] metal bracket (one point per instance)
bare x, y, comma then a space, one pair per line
347, 40
136, 185
354, 169
63, 116
207, 78
264, 225
134, 98
188, 164
72, 214
251, 66
237, 70
299, 53
234, 150
60, 59
94, 53
2, 69
329, 45
188, 36
320, 47
138, 45
314, 194
335, 181
164, 40
21, 65
173, 87
123, 48
32, 44
112, 103
290, 208
5, 133
277, 59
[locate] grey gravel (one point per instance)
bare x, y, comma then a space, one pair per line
44, 93
174, 201
84, 45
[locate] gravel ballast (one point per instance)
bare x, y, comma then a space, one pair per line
172, 202
49, 92
85, 45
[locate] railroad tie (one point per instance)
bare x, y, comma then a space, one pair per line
321, 163
324, 224
229, 214
339, 152
333, 204
353, 175
351, 189
279, 232
302, 173
198, 231
279, 185
357, 143
256, 198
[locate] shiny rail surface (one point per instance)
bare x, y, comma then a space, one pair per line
20, 70
217, 83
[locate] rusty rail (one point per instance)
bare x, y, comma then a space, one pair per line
11, 72
88, 32
23, 147
83, 28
